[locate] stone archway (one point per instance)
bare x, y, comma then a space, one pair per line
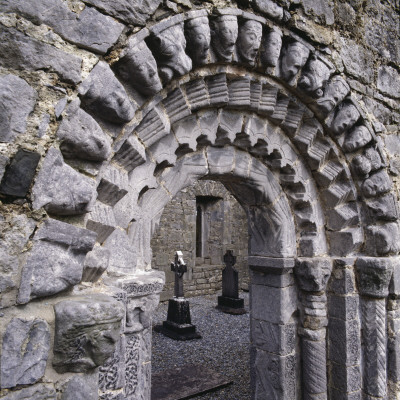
267, 114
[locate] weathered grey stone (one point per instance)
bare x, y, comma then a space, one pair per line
357, 60
271, 48
4, 160
139, 312
282, 303
25, 349
138, 67
86, 332
89, 29
131, 154
169, 45
345, 308
112, 372
357, 138
270, 8
198, 36
382, 239
19, 174
313, 273
37, 392
154, 126
96, 263
389, 81
374, 338
314, 76
102, 221
17, 100
274, 338
294, 56
103, 95
81, 388
113, 186
55, 262
394, 287
376, 184
60, 189
345, 242
23, 52
274, 376
321, 11
249, 40
135, 13
346, 115
186, 132
197, 94
15, 235
374, 275
346, 379
217, 89
344, 341
122, 253
224, 33
81, 136
279, 279
176, 106
342, 279
334, 93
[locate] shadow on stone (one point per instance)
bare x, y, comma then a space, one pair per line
186, 382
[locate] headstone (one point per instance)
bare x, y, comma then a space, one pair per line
230, 302
178, 325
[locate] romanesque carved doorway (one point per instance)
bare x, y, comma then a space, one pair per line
225, 94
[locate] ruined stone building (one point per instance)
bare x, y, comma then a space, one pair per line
114, 115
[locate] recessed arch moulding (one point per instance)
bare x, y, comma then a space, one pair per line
231, 96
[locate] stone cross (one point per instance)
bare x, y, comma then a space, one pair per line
179, 267
230, 277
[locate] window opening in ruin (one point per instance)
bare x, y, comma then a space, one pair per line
199, 231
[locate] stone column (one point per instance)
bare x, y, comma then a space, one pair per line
273, 331
312, 275
393, 317
128, 373
344, 336
374, 275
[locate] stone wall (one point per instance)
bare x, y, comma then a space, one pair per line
109, 109
227, 230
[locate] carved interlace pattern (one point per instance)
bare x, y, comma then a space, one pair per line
131, 364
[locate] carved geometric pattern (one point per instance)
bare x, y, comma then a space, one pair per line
131, 364
374, 346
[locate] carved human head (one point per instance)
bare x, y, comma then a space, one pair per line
314, 76
139, 68
86, 333
335, 91
293, 59
271, 48
361, 165
376, 184
357, 138
104, 95
224, 33
250, 34
198, 35
171, 45
345, 118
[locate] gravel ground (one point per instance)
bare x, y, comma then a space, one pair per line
224, 346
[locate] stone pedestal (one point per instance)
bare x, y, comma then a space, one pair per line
231, 305
178, 325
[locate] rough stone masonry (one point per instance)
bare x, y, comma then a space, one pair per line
110, 109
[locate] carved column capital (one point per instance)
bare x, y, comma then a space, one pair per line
313, 273
374, 275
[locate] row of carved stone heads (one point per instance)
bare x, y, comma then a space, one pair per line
174, 46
